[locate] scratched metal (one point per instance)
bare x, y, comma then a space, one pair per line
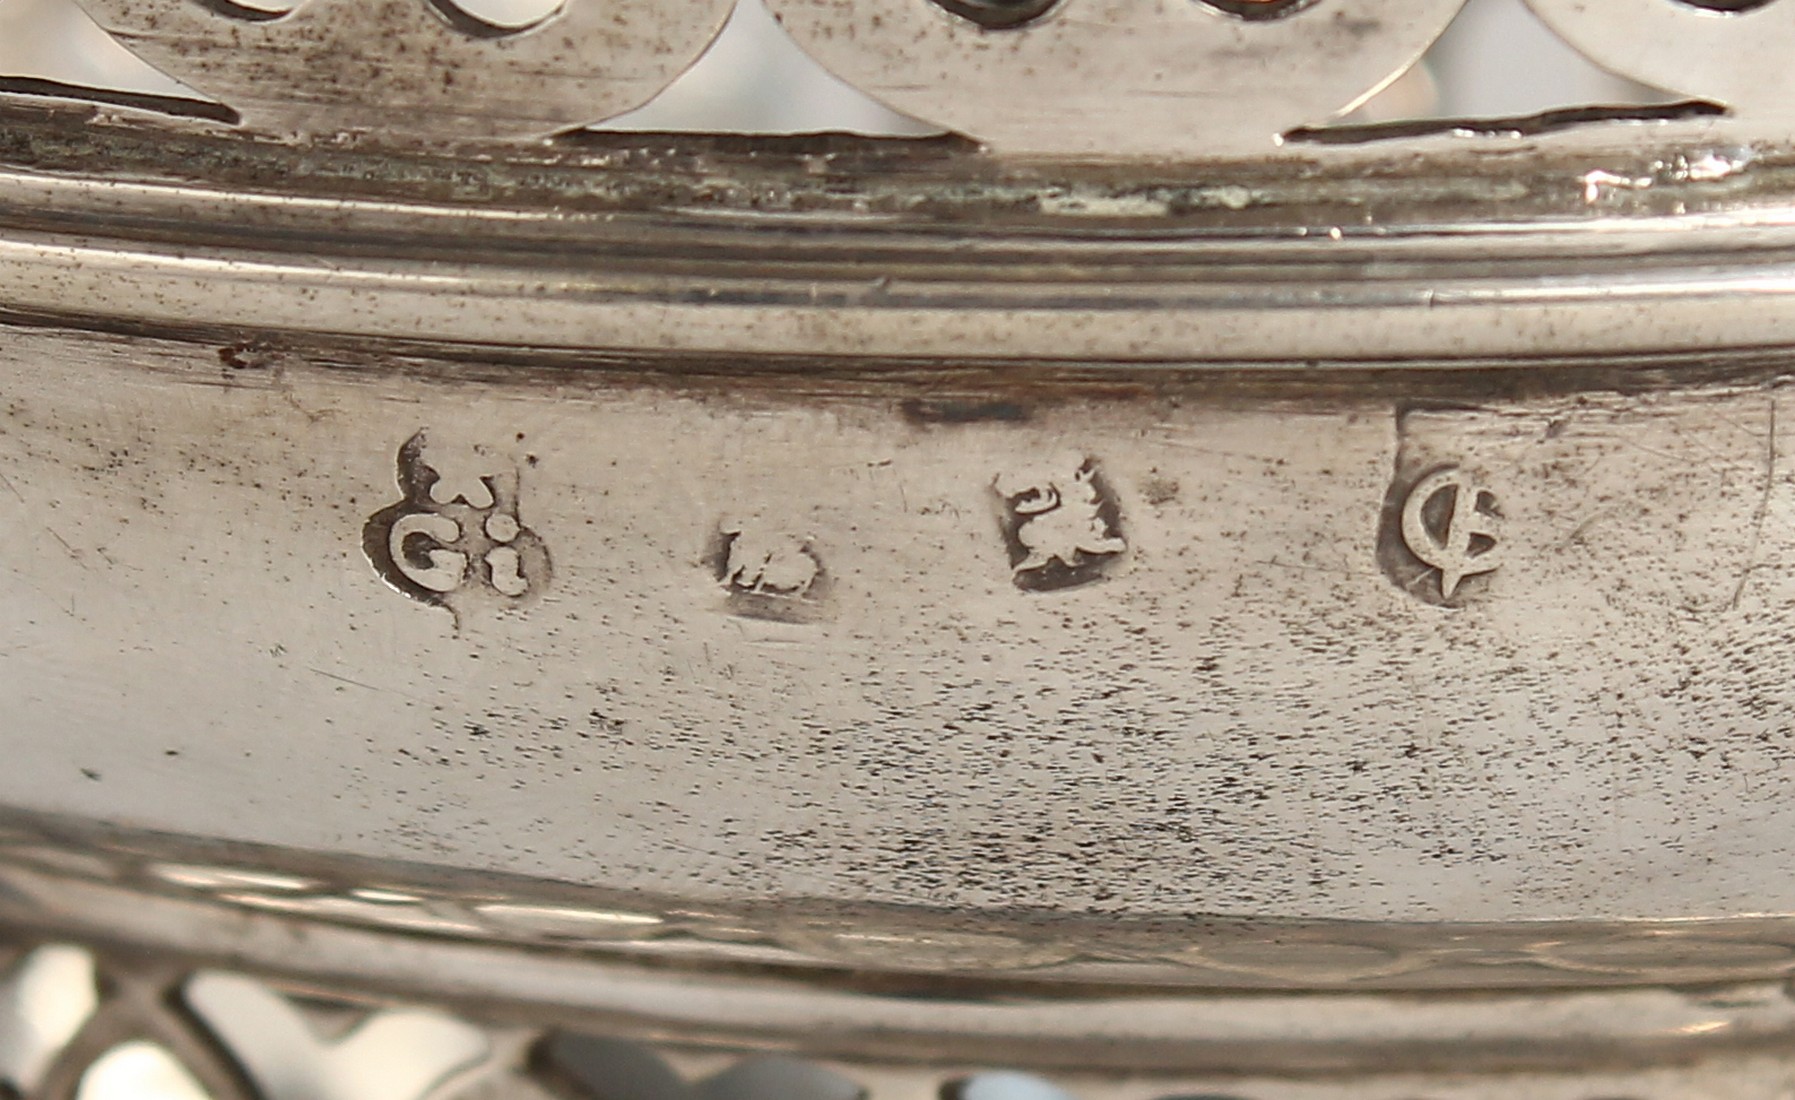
1152, 78
1224, 691
432, 71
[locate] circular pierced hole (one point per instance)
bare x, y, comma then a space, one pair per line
1259, 9
137, 1069
1002, 1085
1725, 7
495, 18
998, 15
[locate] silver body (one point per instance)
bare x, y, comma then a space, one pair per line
1249, 711
1064, 604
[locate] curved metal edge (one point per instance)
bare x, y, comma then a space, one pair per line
1139, 1032
64, 873
948, 257
1421, 319
249, 1036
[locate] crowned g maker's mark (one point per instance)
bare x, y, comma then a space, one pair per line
456, 539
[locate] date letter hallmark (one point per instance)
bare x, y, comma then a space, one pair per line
1450, 524
456, 541
1061, 524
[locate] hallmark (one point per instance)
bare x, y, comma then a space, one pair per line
1450, 524
1061, 524
769, 573
456, 541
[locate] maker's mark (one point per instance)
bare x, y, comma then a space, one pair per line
1061, 523
456, 541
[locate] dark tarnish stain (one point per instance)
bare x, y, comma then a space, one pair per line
1357, 29
176, 106
1159, 491
952, 411
1260, 11
1545, 122
249, 356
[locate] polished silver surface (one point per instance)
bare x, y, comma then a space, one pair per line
1242, 666
1153, 78
1171, 600
1729, 51
1449, 640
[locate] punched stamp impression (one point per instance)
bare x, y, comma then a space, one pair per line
1450, 523
456, 539
1061, 524
1440, 531
769, 573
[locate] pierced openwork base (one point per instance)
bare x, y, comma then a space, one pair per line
127, 967
99, 1023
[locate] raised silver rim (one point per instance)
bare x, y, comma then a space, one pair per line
886, 250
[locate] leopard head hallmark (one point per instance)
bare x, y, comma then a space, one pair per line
1060, 523
768, 572
456, 540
